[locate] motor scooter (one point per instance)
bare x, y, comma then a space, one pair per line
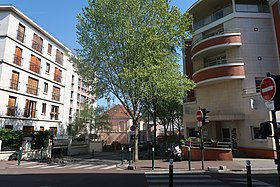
174, 152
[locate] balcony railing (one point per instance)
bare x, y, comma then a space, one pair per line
59, 60
56, 96
20, 36
218, 62
35, 67
18, 60
29, 113
252, 8
11, 110
213, 17
57, 78
32, 89
37, 46
14, 84
54, 116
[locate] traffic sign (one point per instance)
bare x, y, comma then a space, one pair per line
268, 88
132, 128
199, 116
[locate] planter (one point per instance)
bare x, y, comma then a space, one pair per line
210, 153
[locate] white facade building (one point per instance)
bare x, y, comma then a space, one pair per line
235, 43
39, 88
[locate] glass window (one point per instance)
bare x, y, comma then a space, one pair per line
49, 49
44, 107
48, 67
46, 85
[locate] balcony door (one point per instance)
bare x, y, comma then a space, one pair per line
30, 109
11, 109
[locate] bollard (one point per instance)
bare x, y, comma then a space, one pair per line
41, 154
19, 155
129, 161
153, 158
170, 172
189, 157
122, 156
249, 176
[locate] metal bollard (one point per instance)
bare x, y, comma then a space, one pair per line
122, 156
19, 155
41, 154
249, 175
129, 161
170, 172
153, 158
189, 158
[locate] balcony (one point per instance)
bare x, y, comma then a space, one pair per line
59, 60
219, 70
37, 46
56, 96
11, 110
20, 36
14, 84
57, 78
29, 113
18, 60
35, 67
31, 89
215, 44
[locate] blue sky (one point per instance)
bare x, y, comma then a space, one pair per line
58, 17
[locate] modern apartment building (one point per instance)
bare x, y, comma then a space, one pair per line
234, 44
39, 88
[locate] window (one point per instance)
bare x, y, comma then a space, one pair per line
32, 86
54, 112
11, 109
192, 132
46, 86
255, 133
48, 67
28, 129
56, 93
258, 81
18, 56
30, 109
59, 57
35, 64
49, 49
53, 130
121, 126
226, 134
73, 79
21, 33
44, 107
71, 96
70, 111
37, 43
14, 80
57, 75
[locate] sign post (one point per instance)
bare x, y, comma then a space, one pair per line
199, 118
269, 92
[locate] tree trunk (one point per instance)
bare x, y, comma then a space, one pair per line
135, 152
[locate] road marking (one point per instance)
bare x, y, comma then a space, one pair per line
97, 166
66, 166
109, 167
50, 166
36, 166
81, 166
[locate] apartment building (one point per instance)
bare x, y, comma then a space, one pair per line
39, 88
234, 44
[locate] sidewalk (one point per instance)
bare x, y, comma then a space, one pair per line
236, 165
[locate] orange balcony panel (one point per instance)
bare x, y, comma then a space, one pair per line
217, 41
219, 73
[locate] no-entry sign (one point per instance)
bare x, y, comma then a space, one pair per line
199, 116
268, 88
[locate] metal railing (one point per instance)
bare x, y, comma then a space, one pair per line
20, 36
35, 67
14, 84
57, 78
218, 62
18, 60
59, 60
29, 113
32, 89
37, 46
55, 96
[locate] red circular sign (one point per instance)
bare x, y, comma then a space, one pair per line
199, 116
268, 88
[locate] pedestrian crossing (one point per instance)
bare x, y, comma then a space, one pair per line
78, 166
156, 179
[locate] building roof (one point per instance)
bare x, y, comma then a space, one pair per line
14, 10
118, 111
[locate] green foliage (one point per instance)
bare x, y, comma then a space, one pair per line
129, 50
8, 134
91, 119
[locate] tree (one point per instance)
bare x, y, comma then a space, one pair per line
89, 120
128, 50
